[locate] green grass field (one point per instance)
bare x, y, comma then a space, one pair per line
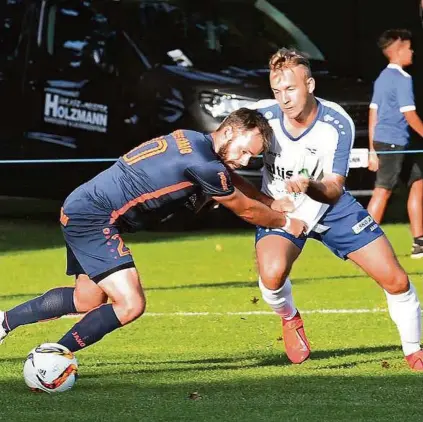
200, 353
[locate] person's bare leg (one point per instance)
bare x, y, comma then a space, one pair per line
128, 303
53, 304
378, 260
378, 203
415, 209
275, 257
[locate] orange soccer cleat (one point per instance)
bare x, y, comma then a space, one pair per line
297, 346
415, 360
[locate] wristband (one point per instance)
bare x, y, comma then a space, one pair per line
287, 224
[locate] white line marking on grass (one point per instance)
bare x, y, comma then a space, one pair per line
246, 313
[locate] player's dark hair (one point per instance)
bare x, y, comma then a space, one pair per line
392, 35
287, 58
246, 119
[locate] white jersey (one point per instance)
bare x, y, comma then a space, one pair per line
323, 148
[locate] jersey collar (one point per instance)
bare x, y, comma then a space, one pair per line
397, 67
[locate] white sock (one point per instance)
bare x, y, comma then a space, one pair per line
280, 300
404, 310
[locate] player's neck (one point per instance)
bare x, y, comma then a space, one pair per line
397, 63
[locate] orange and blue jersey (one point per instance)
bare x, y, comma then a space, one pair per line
155, 178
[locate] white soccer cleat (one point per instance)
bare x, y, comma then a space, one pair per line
3, 333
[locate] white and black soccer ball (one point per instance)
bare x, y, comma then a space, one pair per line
50, 367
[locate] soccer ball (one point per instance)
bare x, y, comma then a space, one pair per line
50, 367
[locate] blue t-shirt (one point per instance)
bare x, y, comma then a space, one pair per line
156, 178
392, 96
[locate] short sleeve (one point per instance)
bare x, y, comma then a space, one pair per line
337, 160
213, 178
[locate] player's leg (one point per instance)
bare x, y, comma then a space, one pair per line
378, 260
276, 252
415, 214
106, 260
387, 176
378, 203
413, 168
52, 304
353, 234
124, 289
88, 295
56, 302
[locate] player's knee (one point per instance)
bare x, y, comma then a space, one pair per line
273, 276
397, 283
87, 294
84, 303
132, 308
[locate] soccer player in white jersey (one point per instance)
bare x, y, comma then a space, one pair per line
308, 162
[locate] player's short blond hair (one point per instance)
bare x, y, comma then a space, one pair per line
287, 58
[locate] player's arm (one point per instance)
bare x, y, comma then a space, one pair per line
405, 95
247, 188
215, 181
330, 187
328, 190
414, 121
250, 210
373, 107
250, 190
373, 158
255, 212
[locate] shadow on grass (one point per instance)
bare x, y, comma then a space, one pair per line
244, 361
220, 285
228, 394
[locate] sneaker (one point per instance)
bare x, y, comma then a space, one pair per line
416, 251
3, 332
297, 346
415, 361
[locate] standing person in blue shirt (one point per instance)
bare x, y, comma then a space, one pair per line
153, 179
391, 112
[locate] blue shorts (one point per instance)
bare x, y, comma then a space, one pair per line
94, 246
344, 228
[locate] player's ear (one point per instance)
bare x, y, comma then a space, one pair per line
311, 84
228, 132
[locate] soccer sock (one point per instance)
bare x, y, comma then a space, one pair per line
92, 328
52, 304
404, 310
280, 300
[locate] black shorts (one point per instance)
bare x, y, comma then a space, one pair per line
396, 166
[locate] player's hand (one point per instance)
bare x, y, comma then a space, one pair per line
285, 204
297, 184
295, 227
373, 161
